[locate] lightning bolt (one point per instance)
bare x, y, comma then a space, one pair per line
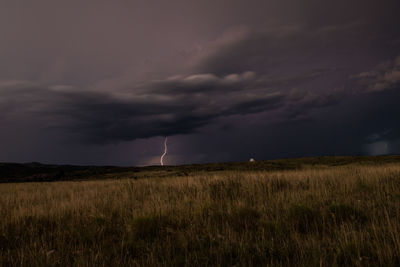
165, 152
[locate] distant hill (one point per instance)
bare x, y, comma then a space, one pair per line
37, 172
27, 172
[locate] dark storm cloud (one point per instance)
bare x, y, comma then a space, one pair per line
104, 117
115, 71
177, 105
289, 50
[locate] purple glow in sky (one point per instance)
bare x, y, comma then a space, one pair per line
102, 82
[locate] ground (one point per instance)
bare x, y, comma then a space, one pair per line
326, 211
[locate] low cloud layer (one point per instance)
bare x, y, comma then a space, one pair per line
176, 105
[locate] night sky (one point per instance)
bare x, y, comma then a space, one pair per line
103, 82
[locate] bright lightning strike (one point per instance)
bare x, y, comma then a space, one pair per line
165, 151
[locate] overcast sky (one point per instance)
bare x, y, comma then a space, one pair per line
103, 82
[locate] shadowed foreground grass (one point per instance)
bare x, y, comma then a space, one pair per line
322, 216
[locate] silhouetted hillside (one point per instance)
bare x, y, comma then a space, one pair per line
37, 172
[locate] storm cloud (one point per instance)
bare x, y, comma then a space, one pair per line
177, 105
307, 78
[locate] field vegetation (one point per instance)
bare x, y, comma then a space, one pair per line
317, 215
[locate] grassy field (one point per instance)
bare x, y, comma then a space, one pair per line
317, 215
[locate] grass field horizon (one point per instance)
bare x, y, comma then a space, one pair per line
44, 172
323, 211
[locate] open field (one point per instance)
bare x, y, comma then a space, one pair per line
319, 214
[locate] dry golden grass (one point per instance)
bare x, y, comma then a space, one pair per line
321, 216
